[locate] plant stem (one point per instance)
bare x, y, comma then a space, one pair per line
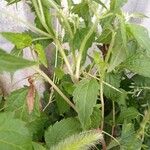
113, 127
102, 103
57, 42
55, 87
63, 16
82, 47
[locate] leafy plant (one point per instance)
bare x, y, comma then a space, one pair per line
99, 83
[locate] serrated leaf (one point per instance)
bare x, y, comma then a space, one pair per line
114, 80
12, 63
17, 102
41, 54
128, 114
61, 130
85, 97
13, 134
138, 63
141, 35
20, 40
129, 139
96, 118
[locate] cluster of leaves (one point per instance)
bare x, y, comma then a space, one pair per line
103, 90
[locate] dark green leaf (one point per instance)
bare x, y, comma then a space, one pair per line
101, 3
12, 63
85, 97
61, 130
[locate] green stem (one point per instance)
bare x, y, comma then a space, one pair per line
82, 47
55, 87
102, 103
63, 16
57, 42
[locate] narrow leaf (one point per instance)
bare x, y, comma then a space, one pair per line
12, 63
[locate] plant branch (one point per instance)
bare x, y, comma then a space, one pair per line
55, 87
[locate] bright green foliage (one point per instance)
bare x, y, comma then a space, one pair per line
85, 97
61, 130
141, 34
13, 134
138, 63
41, 54
12, 63
96, 64
20, 40
82, 141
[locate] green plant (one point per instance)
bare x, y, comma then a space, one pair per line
100, 83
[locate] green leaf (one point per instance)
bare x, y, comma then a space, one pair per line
129, 140
20, 40
95, 118
138, 63
61, 104
13, 134
12, 63
141, 35
59, 73
61, 130
118, 53
82, 141
85, 97
82, 10
12, 1
37, 146
115, 5
41, 54
79, 35
128, 114
101, 3
114, 80
17, 102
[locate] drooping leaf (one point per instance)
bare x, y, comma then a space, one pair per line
138, 63
82, 141
141, 35
13, 134
61, 130
10, 2
41, 54
85, 97
20, 40
12, 63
